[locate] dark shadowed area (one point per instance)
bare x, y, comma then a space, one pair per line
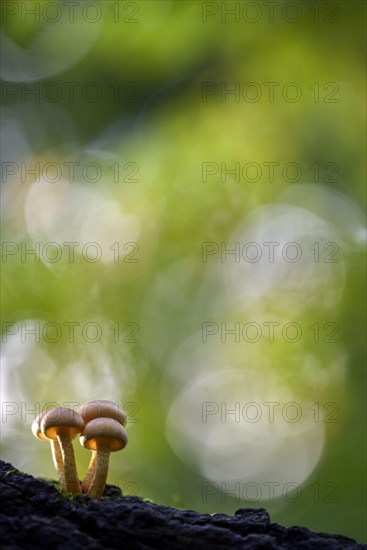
34, 514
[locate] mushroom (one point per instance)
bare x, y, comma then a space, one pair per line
55, 447
99, 408
62, 424
102, 435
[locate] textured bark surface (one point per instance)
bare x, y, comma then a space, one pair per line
35, 515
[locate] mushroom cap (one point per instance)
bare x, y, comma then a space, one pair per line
101, 408
36, 427
104, 432
61, 420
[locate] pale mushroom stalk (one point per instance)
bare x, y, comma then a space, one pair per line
55, 448
58, 460
97, 486
71, 480
90, 473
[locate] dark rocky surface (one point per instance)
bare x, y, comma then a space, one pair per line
34, 514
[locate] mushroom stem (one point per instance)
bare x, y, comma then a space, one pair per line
58, 461
97, 486
54, 444
71, 481
90, 472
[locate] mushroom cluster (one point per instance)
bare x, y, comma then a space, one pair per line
101, 425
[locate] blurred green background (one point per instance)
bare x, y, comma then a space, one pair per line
122, 110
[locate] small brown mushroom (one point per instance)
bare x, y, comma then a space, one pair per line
55, 447
99, 408
102, 435
63, 424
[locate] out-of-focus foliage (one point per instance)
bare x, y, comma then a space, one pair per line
141, 97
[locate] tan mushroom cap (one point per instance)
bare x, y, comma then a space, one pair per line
61, 420
101, 408
104, 432
36, 427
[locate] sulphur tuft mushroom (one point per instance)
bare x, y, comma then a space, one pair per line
62, 425
55, 447
102, 435
99, 408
